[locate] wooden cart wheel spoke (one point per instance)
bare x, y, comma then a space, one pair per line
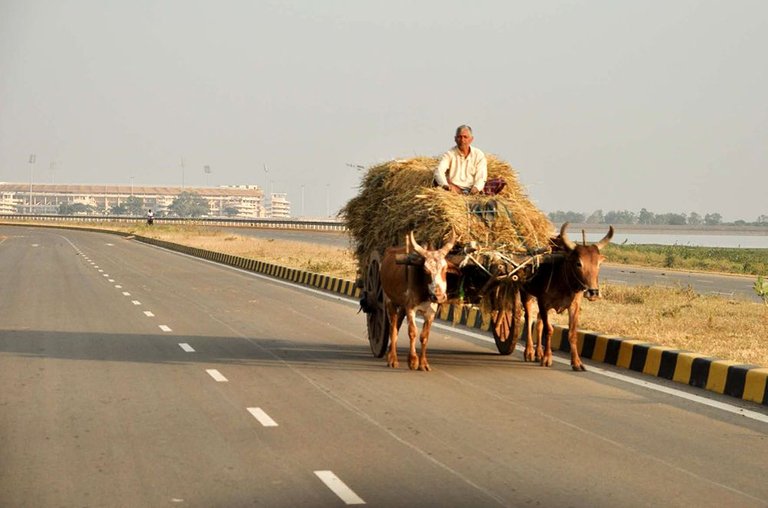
507, 322
377, 321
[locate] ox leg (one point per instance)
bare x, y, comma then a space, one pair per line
546, 337
429, 318
573, 323
528, 312
392, 315
539, 332
413, 359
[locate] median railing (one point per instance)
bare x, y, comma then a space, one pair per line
314, 225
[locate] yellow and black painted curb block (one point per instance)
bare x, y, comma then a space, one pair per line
747, 382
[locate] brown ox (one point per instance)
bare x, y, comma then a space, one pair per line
561, 284
409, 289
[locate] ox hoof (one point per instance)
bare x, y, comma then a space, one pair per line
393, 364
528, 356
546, 362
579, 368
425, 367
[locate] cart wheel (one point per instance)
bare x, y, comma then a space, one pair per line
378, 323
507, 325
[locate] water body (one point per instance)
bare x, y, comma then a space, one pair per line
693, 240
722, 239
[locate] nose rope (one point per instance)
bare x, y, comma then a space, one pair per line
579, 280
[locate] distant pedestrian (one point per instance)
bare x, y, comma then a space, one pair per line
150, 217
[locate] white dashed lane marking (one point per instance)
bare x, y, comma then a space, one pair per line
135, 302
338, 487
126, 293
118, 286
148, 313
165, 328
215, 374
186, 347
262, 417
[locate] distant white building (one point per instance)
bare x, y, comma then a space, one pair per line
279, 206
243, 201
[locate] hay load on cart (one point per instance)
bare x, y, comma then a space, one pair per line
500, 236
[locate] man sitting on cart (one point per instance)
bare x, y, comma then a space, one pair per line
463, 169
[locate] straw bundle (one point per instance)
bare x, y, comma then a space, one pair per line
397, 197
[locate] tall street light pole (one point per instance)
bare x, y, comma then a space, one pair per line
32, 159
264, 192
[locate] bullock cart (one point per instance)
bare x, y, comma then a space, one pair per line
500, 239
487, 279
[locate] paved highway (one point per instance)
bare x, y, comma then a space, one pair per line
132, 376
704, 283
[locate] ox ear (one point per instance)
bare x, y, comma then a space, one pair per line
607, 238
567, 242
448, 246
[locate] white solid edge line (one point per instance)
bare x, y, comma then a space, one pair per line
754, 415
186, 347
338, 487
216, 375
262, 417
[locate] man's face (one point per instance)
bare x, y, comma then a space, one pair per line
463, 139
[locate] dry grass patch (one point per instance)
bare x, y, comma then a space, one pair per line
328, 260
731, 329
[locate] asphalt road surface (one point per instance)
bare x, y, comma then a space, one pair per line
133, 376
704, 283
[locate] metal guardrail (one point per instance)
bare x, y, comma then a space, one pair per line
314, 225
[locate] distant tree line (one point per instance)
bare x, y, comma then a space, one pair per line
187, 204
646, 217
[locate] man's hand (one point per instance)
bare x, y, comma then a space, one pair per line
474, 191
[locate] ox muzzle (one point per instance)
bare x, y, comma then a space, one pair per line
592, 293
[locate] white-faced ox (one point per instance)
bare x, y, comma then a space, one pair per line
412, 288
561, 284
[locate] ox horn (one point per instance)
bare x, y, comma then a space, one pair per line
416, 247
567, 242
448, 246
607, 238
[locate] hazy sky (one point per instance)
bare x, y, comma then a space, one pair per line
598, 104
